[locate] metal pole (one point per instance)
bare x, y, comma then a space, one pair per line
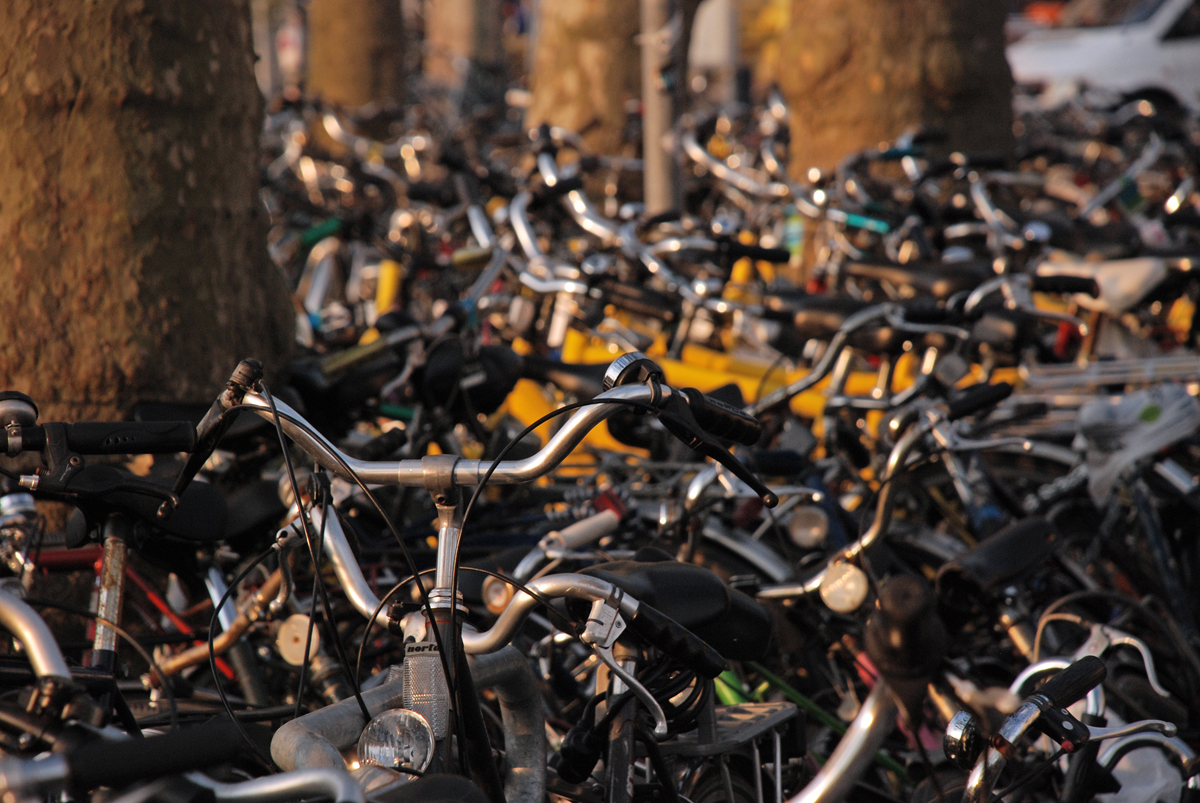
661, 185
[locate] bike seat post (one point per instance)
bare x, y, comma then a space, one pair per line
111, 591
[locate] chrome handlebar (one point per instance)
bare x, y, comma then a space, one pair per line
465, 472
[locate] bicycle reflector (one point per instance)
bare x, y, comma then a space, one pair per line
397, 738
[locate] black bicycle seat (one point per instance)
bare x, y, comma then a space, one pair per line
938, 280
731, 622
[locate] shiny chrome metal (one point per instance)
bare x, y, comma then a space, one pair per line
883, 509
286, 787
624, 671
466, 472
1158, 726
480, 227
112, 584
1183, 755
824, 365
519, 217
548, 287
855, 751
345, 565
214, 583
1103, 638
40, 645
987, 769
739, 181
963, 743
569, 538
575, 586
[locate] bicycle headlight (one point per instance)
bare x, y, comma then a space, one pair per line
397, 738
808, 526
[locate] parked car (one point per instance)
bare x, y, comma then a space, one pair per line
1131, 48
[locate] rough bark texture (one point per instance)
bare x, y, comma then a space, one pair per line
586, 66
859, 72
132, 243
356, 51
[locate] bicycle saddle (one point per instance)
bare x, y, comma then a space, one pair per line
582, 380
731, 622
939, 280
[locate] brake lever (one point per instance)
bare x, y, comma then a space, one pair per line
1104, 637
604, 626
100, 481
677, 417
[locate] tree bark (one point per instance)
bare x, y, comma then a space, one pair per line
356, 51
860, 72
464, 48
132, 242
586, 67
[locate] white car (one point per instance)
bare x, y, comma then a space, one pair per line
1130, 48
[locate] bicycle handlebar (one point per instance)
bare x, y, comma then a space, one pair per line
1073, 683
721, 420
1065, 284
116, 764
976, 398
112, 437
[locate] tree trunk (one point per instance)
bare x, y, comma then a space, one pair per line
356, 51
860, 72
132, 242
464, 48
586, 67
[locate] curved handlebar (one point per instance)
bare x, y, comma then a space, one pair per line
466, 472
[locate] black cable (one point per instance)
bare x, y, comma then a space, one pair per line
762, 383
670, 793
408, 558
1028, 778
312, 621
173, 707
212, 652
330, 622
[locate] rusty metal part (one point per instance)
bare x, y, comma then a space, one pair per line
199, 653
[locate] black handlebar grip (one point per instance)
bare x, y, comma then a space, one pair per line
676, 640
545, 194
1066, 284
1073, 683
131, 437
757, 252
929, 314
117, 764
978, 397
722, 420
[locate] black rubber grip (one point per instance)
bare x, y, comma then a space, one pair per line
131, 437
1066, 284
119, 437
544, 194
677, 641
1073, 683
929, 314
722, 420
117, 764
978, 397
756, 252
